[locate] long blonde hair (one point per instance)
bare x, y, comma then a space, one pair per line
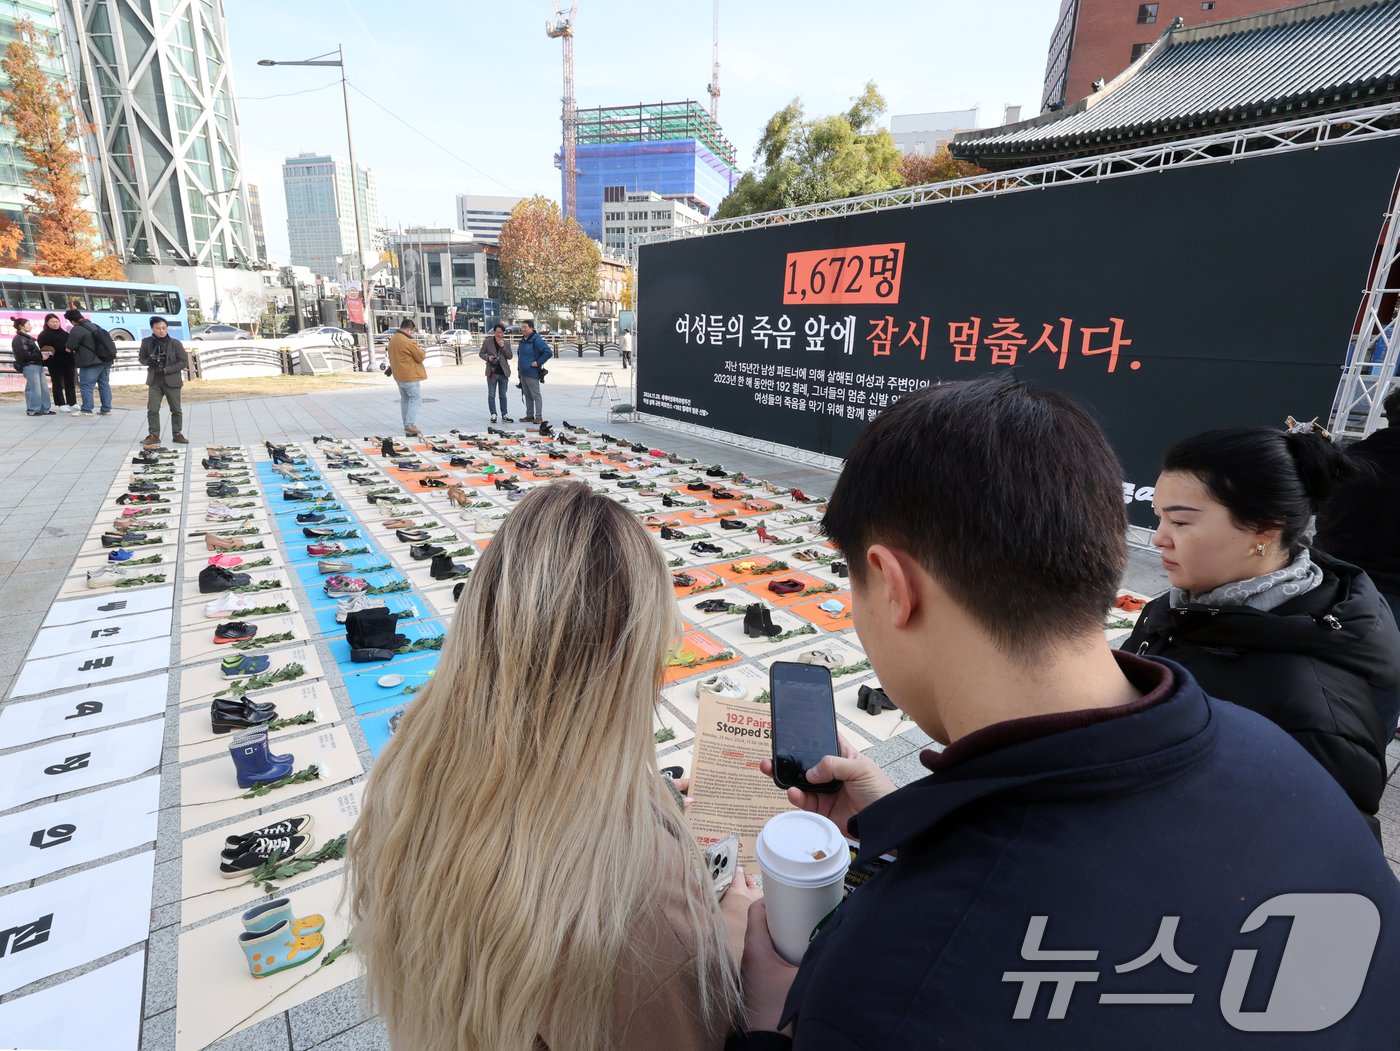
510, 831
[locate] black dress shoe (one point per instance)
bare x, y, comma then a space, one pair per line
223, 721
423, 552
732, 523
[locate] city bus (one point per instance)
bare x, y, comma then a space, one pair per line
123, 308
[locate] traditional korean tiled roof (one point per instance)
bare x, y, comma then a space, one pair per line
1259, 69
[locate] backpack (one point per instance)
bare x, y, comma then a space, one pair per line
105, 346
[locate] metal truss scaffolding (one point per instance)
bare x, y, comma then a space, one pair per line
1363, 384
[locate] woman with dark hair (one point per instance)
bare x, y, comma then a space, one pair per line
63, 371
1255, 615
29, 360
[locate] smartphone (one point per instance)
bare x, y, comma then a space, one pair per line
804, 723
721, 859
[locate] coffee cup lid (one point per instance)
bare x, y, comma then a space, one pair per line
802, 849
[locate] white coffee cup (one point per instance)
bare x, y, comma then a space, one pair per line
804, 859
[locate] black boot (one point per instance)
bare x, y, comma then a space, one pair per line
444, 568
753, 620
767, 628
386, 447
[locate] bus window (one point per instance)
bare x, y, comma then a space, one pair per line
160, 303
22, 297
143, 301
75, 300
99, 301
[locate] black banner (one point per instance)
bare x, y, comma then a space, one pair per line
1170, 302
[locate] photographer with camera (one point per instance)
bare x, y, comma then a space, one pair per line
165, 360
534, 352
496, 352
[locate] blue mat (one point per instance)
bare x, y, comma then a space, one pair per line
318, 598
365, 693
413, 631
326, 623
380, 727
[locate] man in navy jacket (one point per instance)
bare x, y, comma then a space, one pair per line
1102, 856
532, 353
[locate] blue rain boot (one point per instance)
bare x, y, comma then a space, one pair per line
262, 918
278, 949
252, 761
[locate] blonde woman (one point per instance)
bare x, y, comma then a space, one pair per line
520, 878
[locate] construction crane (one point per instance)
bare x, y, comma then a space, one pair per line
713, 89
562, 28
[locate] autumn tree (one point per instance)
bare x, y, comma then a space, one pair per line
810, 161
919, 169
547, 261
45, 129
11, 240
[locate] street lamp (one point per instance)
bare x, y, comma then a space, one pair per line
213, 252
339, 63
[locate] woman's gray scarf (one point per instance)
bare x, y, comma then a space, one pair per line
1264, 592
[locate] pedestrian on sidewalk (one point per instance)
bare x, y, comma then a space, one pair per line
63, 374
93, 352
1360, 524
29, 360
165, 360
406, 366
496, 352
533, 353
626, 347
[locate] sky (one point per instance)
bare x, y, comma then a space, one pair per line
482, 83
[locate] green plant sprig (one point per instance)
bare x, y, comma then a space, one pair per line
268, 640
261, 585
392, 588
286, 673
136, 582
806, 629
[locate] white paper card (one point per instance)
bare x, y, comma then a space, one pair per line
79, 762
109, 604
77, 711
108, 1018
73, 920
92, 666
113, 630
74, 831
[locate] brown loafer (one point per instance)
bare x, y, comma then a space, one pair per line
182, 439
151, 439
398, 523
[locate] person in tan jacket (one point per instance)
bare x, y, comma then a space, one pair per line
406, 365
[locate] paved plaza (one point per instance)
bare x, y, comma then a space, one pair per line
54, 475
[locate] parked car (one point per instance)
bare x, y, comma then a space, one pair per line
337, 337
458, 337
220, 332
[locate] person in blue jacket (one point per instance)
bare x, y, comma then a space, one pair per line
1102, 856
532, 353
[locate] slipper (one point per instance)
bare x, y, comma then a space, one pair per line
821, 656
682, 580
713, 605
807, 554
786, 587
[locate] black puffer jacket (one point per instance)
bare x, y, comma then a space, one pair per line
26, 350
1308, 665
1360, 524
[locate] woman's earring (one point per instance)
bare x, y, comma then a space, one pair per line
1259, 549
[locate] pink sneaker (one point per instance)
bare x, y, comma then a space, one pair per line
340, 586
226, 561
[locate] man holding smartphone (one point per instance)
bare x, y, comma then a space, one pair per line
1095, 824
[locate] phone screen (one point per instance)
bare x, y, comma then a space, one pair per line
804, 723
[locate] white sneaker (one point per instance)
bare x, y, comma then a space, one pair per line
486, 524
721, 686
227, 604
73, 410
220, 514
355, 604
106, 576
